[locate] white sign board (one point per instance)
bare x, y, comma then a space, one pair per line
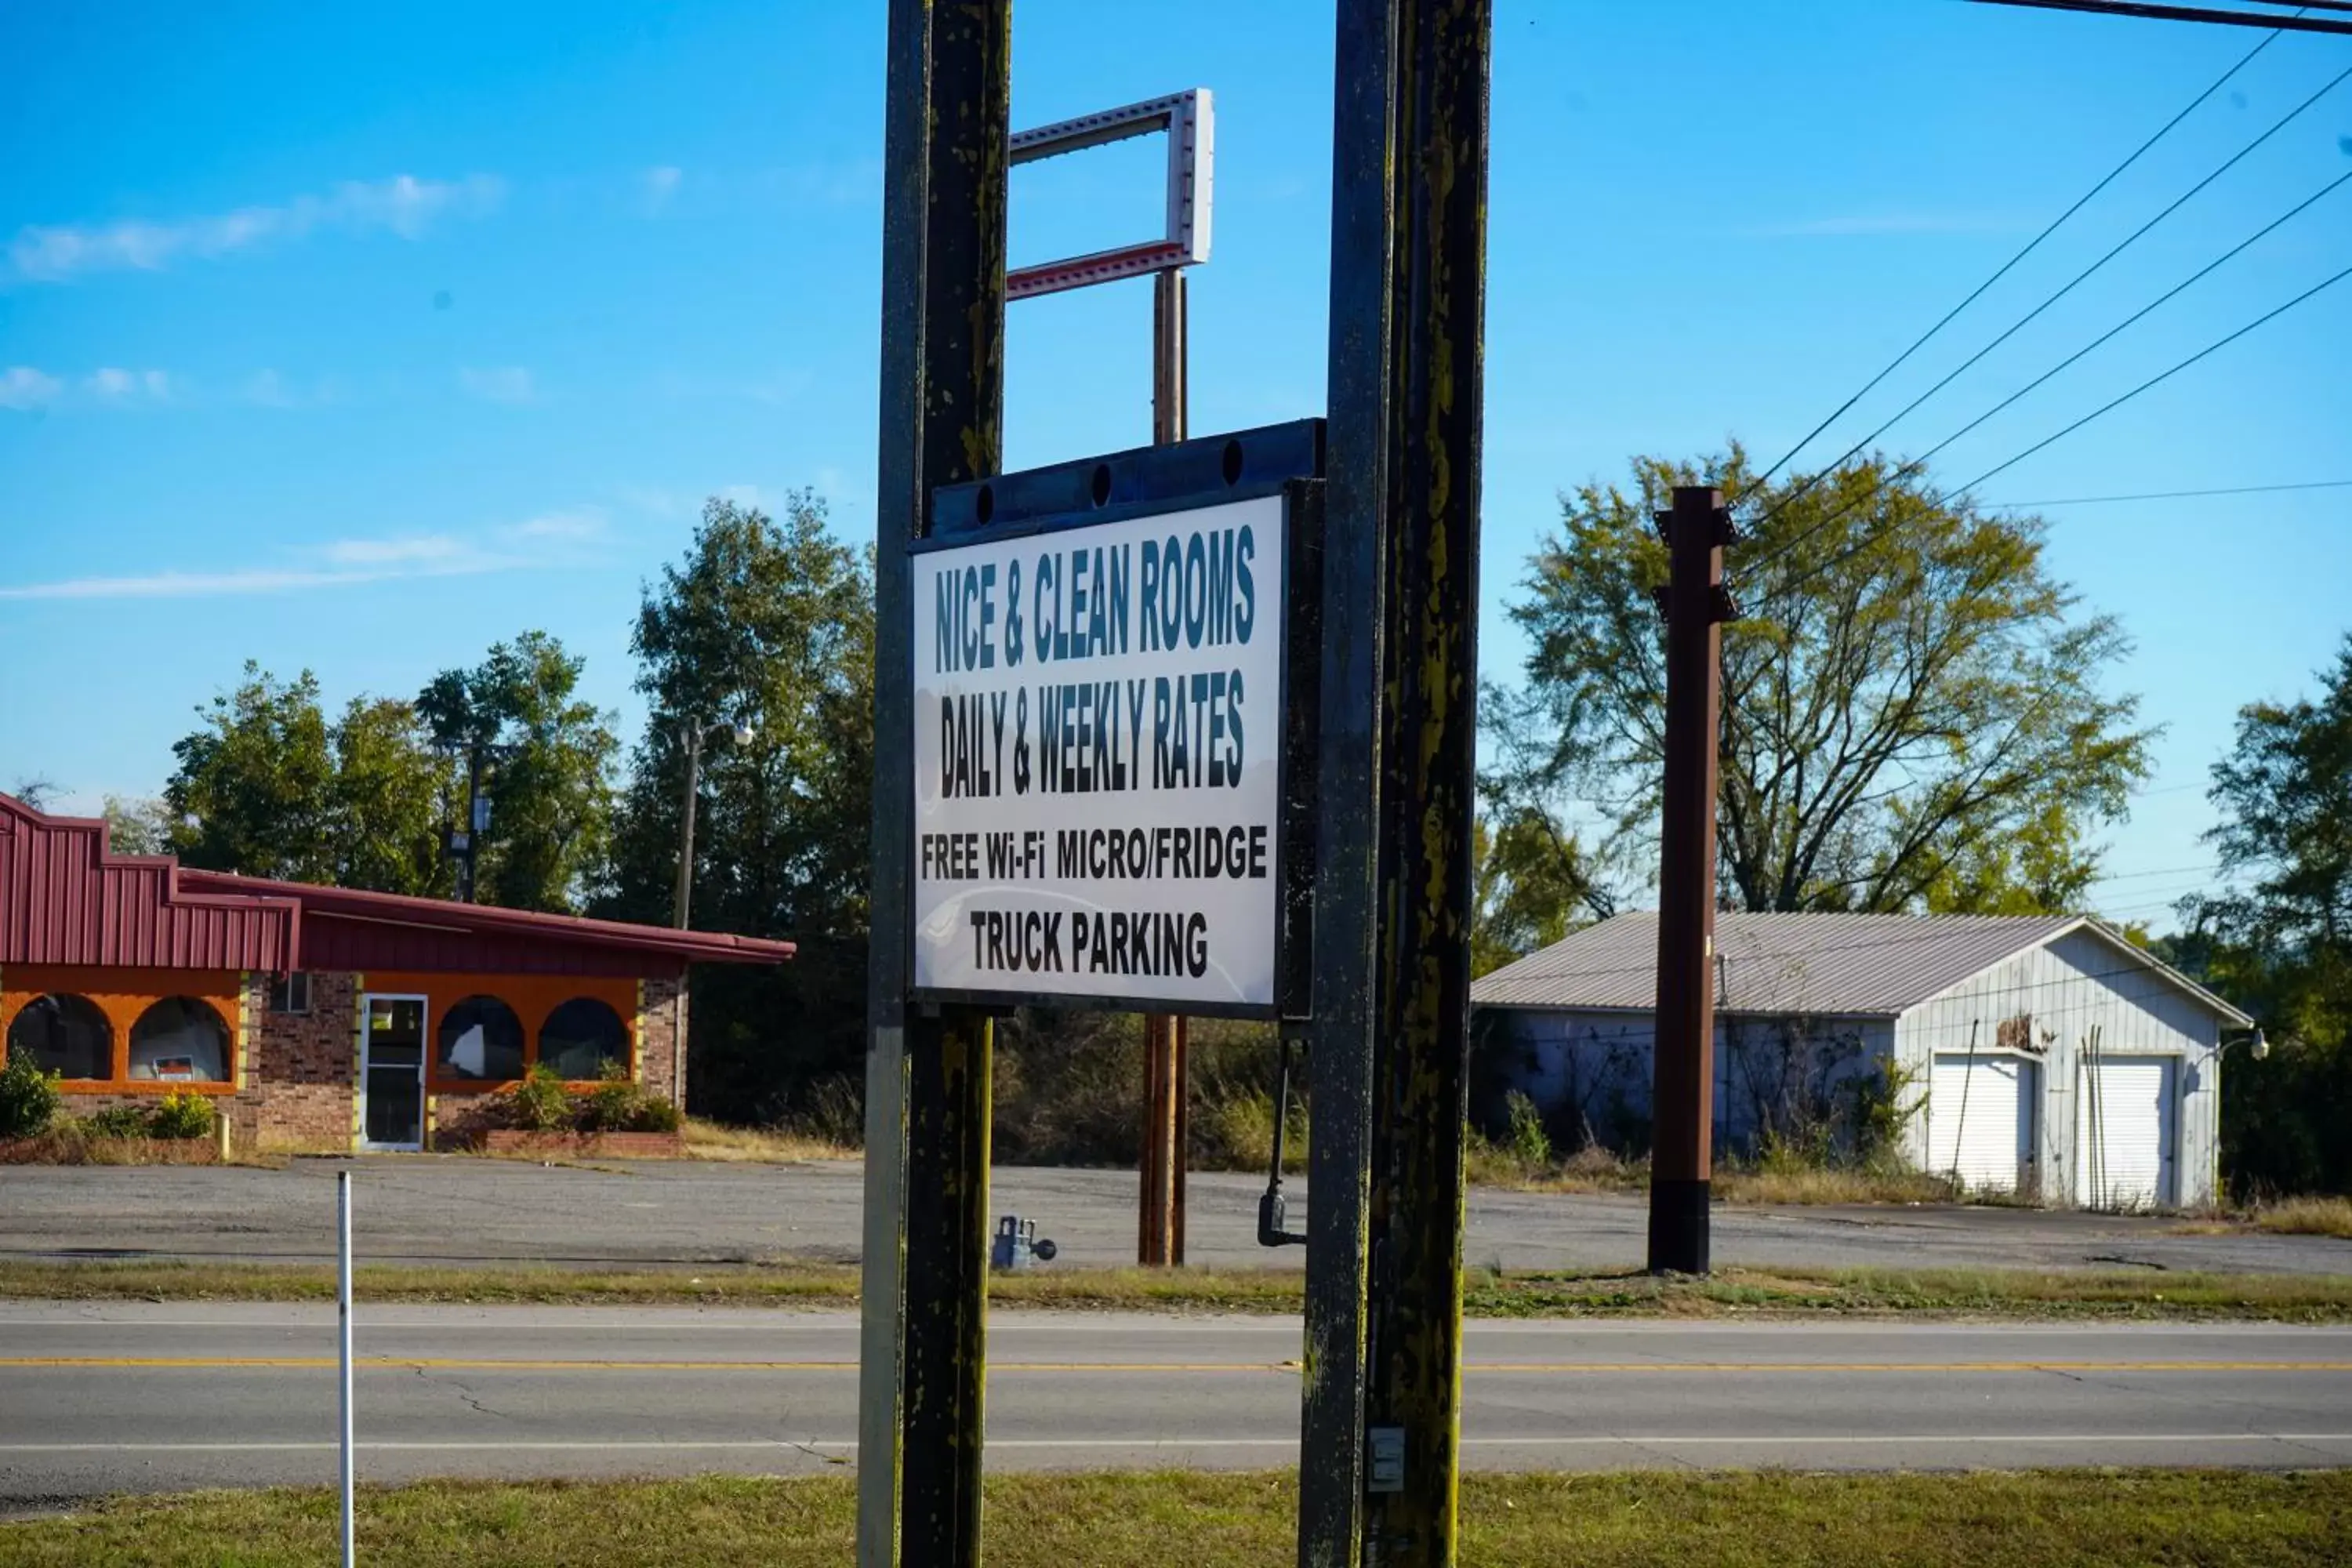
1097, 781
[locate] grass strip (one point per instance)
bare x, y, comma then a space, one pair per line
2046, 1519
1783, 1293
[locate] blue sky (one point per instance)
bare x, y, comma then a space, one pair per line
356, 340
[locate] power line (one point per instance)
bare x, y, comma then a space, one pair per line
2159, 378
2005, 266
1917, 463
2298, 22
2171, 495
2121, 245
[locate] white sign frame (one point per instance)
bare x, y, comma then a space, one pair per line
1266, 912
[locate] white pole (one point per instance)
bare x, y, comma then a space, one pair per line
343, 1335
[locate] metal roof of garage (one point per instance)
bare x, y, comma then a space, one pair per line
1845, 964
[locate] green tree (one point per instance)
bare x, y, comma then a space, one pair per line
1914, 716
548, 770
268, 788
763, 638
137, 825
253, 791
1530, 885
2281, 946
391, 796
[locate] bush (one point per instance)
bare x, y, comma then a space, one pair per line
612, 1105
180, 1114
28, 1097
115, 1122
538, 1103
1525, 1138
655, 1114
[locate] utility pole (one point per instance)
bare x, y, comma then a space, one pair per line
922, 1374
464, 844
1166, 1080
1381, 1449
1682, 1090
690, 738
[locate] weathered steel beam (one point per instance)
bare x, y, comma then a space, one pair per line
1683, 1073
922, 1366
1428, 729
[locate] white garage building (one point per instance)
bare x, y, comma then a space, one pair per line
2054, 1058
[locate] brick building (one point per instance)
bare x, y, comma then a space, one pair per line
320, 1018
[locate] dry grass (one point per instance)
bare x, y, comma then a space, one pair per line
717, 1141
2045, 1519
2306, 1216
1783, 1293
68, 1144
1831, 1184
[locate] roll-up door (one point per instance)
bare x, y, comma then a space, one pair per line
1980, 1120
2123, 1132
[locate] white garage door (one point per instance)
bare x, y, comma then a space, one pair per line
1979, 1120
2123, 1133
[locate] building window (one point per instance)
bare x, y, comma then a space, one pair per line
65, 1035
291, 992
481, 1039
180, 1040
580, 1037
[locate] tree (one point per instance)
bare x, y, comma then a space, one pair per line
2281, 946
762, 638
1912, 717
548, 765
252, 790
392, 793
137, 824
1530, 884
268, 788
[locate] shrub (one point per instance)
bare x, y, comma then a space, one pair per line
655, 1114
115, 1122
28, 1097
180, 1114
538, 1103
612, 1105
1525, 1137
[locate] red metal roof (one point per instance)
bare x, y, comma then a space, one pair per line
65, 898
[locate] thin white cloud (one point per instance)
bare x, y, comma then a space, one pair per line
551, 539
498, 383
1874, 224
403, 205
417, 550
22, 386
559, 527
183, 584
661, 183
112, 385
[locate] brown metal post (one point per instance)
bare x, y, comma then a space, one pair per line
1683, 1087
1160, 1222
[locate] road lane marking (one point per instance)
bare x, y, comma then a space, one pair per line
849, 1444
1514, 1369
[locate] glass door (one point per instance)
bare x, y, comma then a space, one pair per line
392, 1074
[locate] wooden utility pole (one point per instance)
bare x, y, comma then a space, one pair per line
1379, 1484
922, 1375
1683, 1091
1166, 1094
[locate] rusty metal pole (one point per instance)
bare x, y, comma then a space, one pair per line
922, 1347
1160, 1239
1683, 1086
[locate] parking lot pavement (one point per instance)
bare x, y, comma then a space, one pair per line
458, 1209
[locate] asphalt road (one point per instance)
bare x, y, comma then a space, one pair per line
466, 1210
99, 1399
